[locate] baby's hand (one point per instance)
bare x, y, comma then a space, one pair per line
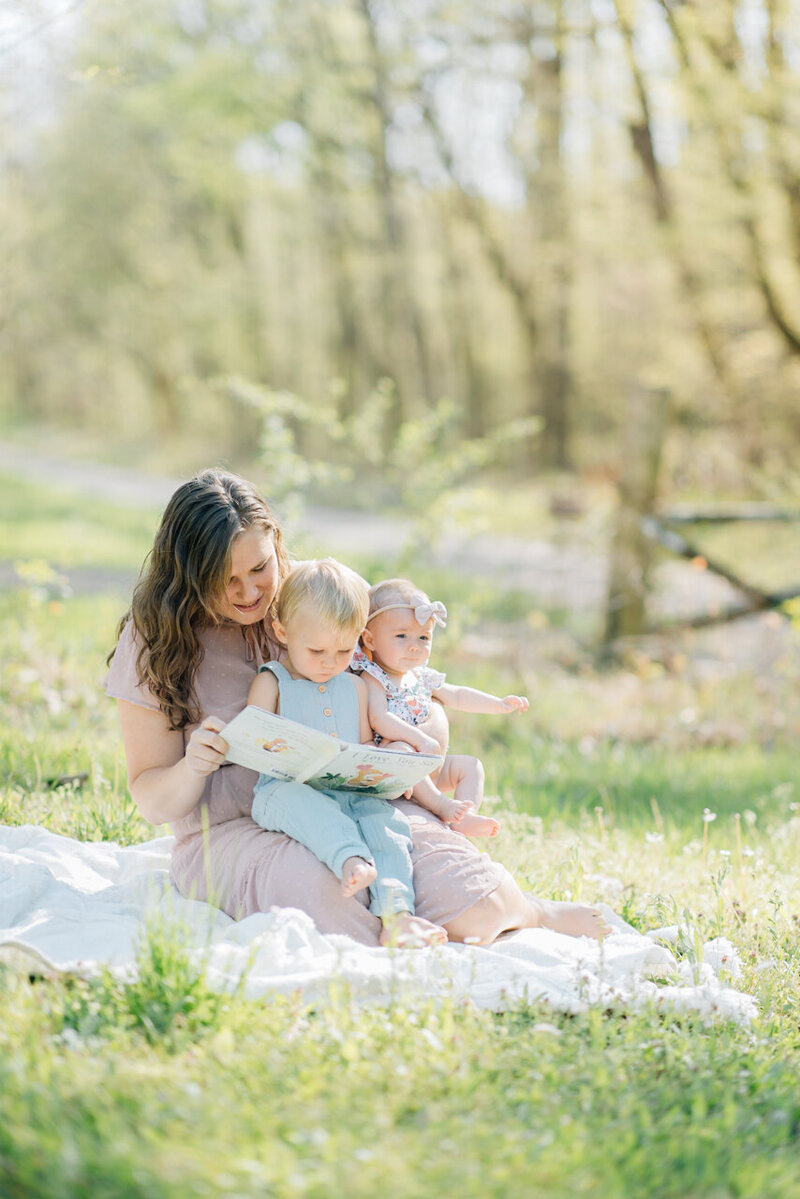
515, 703
424, 744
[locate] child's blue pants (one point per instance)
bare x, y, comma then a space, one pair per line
337, 825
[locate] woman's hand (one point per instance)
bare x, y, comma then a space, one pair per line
205, 750
515, 703
166, 777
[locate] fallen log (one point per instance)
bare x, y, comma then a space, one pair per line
683, 514
755, 599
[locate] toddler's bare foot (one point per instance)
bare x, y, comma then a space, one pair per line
410, 932
472, 825
357, 873
574, 919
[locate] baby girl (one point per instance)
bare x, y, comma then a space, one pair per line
392, 659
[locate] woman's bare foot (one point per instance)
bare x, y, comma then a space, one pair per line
472, 825
357, 873
410, 932
574, 919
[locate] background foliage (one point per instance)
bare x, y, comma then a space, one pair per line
523, 207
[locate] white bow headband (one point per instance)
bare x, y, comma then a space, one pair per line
422, 608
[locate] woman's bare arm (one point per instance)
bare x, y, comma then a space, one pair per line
165, 781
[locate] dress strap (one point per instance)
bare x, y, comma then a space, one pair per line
278, 669
364, 665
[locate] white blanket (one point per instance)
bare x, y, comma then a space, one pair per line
81, 907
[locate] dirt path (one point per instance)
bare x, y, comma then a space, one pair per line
569, 575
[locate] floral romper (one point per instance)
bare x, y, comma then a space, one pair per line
410, 699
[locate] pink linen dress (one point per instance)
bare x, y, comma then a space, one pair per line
248, 869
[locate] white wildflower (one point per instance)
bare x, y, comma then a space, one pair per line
430, 1036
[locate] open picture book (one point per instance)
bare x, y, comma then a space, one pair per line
287, 750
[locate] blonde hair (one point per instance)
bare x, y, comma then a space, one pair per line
395, 591
332, 591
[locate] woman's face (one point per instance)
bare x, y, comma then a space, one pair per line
254, 578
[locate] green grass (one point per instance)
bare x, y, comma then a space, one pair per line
162, 1089
67, 530
403, 1104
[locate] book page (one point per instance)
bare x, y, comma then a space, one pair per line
276, 746
373, 771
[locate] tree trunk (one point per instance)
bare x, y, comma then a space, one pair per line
471, 387
408, 356
554, 372
629, 565
664, 209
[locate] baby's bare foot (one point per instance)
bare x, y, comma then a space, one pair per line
357, 873
410, 932
574, 919
451, 810
472, 825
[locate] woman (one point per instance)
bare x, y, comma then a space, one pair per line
198, 629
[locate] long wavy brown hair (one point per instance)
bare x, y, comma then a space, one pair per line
183, 578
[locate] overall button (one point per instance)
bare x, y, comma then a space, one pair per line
333, 734
327, 712
321, 688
